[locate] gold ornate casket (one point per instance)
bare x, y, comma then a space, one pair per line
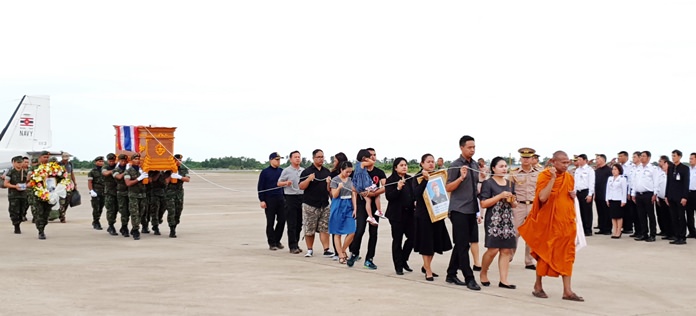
154, 144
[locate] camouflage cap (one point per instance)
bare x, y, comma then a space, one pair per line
99, 158
136, 155
111, 156
122, 157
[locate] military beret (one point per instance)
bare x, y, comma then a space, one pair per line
136, 155
122, 157
111, 156
178, 156
45, 152
99, 158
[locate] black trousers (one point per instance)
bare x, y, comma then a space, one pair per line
401, 250
664, 220
275, 214
603, 216
361, 223
629, 215
678, 213
585, 211
690, 208
293, 216
463, 226
646, 215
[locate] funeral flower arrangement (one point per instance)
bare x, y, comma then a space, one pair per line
39, 176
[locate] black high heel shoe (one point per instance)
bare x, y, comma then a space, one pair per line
486, 283
430, 278
434, 274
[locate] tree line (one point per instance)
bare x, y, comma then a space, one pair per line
246, 163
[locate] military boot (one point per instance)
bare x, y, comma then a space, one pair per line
112, 230
136, 234
97, 225
124, 231
145, 230
155, 230
17, 230
42, 235
172, 231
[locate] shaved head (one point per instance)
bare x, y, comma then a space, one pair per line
560, 161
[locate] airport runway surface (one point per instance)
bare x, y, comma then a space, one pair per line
220, 265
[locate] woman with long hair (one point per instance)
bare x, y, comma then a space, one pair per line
342, 218
400, 212
338, 159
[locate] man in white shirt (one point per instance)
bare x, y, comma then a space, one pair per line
645, 183
663, 217
691, 200
584, 187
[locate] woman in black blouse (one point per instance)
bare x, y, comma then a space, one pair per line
400, 212
429, 237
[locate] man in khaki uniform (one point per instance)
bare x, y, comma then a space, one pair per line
525, 179
574, 161
535, 161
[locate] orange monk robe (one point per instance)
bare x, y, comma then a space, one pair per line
550, 228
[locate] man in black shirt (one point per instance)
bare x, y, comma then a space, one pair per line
676, 197
602, 174
379, 178
315, 181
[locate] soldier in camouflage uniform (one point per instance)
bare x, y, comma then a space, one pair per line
95, 185
31, 198
137, 199
175, 195
110, 193
65, 203
16, 184
25, 166
155, 198
145, 215
42, 207
122, 193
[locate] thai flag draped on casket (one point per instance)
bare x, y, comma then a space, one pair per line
128, 138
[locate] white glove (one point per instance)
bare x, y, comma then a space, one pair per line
176, 176
92, 193
142, 176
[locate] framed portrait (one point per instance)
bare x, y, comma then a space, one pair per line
51, 184
435, 196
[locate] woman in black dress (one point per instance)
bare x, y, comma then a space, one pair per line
430, 238
400, 212
497, 197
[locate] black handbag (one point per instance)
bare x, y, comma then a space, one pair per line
76, 199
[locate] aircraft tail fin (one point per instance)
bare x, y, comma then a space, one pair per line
29, 127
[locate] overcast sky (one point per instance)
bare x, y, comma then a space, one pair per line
245, 78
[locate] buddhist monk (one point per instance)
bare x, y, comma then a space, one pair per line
550, 228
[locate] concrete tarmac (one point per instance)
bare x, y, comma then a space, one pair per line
220, 264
